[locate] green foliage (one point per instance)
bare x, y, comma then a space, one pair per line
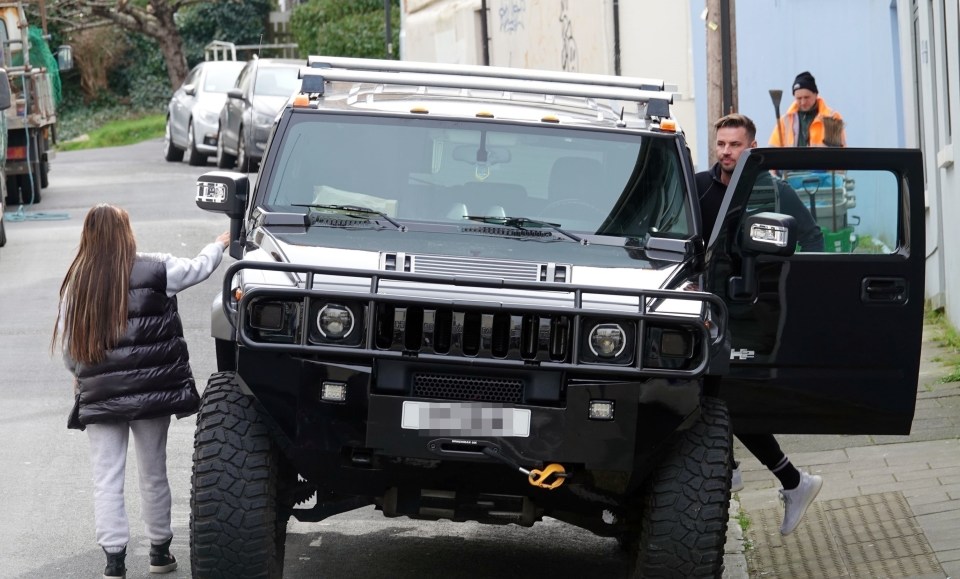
336, 28
948, 337
140, 79
237, 21
123, 132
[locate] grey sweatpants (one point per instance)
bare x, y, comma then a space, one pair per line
108, 457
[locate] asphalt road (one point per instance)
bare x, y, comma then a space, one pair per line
45, 486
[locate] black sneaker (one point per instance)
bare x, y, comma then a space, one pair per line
161, 561
115, 568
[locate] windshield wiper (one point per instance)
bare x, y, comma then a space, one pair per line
524, 223
356, 209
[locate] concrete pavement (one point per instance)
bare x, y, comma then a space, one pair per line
889, 507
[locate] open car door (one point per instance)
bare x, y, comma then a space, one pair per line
824, 338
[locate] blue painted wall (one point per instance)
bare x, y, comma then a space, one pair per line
850, 46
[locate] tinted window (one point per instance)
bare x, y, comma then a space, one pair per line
854, 211
435, 170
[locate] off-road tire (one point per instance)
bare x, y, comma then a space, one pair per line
224, 159
194, 157
683, 518
245, 163
170, 151
237, 529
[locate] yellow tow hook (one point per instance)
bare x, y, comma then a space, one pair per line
539, 478
549, 477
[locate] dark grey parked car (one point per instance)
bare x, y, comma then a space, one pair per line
263, 87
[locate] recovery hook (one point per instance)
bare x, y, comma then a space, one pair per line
549, 477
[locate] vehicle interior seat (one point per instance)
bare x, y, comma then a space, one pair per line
573, 179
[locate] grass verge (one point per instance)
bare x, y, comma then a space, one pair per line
120, 132
948, 337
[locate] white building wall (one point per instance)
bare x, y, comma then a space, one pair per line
930, 57
572, 35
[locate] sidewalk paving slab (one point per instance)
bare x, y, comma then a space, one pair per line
889, 507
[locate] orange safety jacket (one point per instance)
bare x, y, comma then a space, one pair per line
790, 126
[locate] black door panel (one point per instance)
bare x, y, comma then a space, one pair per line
830, 342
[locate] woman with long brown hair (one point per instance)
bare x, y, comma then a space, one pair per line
122, 339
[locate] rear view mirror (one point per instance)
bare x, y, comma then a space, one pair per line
762, 234
489, 155
190, 89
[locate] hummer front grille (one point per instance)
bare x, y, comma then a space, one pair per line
472, 322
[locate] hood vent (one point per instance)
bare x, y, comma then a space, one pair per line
475, 267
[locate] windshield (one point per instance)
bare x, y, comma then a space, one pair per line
586, 181
222, 77
277, 81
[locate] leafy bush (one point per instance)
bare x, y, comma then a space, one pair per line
335, 28
240, 22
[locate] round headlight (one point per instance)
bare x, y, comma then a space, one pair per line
335, 321
607, 340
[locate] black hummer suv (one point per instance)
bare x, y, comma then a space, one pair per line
481, 294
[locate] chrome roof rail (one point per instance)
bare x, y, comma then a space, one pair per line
522, 85
382, 65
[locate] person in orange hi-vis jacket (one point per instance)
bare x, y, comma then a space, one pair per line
809, 122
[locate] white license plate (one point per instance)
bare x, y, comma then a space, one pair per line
465, 419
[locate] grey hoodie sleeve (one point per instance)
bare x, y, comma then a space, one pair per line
184, 272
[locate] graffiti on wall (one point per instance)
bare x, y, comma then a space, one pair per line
511, 15
568, 44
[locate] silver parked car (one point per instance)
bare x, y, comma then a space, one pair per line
194, 110
263, 87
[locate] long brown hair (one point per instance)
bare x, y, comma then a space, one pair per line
93, 296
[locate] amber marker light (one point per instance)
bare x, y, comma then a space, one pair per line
668, 125
301, 100
550, 119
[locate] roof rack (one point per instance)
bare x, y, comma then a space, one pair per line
483, 83
647, 84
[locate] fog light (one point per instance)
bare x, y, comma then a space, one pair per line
676, 344
335, 321
333, 392
600, 410
607, 340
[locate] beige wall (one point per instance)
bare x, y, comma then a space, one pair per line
573, 35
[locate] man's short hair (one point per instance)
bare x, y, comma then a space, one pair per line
736, 121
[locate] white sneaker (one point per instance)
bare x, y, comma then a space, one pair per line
796, 501
736, 480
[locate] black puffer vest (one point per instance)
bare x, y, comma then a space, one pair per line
147, 375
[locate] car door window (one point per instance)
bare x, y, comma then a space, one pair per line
853, 211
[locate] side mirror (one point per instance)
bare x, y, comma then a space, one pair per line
4, 90
763, 234
190, 89
226, 192
64, 57
235, 93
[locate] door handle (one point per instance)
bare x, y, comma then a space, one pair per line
883, 290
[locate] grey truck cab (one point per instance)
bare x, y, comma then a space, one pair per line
482, 294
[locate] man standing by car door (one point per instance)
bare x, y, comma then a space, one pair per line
735, 134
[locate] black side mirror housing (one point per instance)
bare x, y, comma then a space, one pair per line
235, 93
762, 234
5, 98
226, 192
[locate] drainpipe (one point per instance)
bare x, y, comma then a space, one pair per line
616, 37
484, 33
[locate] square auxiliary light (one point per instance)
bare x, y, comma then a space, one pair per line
333, 392
600, 410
